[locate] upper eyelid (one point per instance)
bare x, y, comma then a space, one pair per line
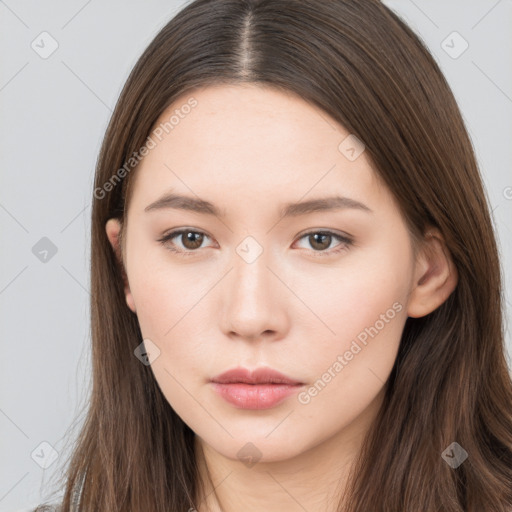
179, 231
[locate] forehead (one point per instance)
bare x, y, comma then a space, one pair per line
247, 142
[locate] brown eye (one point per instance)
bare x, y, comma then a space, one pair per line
191, 239
320, 241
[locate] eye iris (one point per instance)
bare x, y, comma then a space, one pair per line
313, 239
190, 237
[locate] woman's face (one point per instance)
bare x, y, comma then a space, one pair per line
252, 288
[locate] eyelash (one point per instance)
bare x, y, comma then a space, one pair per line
346, 242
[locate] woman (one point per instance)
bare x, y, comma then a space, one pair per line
296, 291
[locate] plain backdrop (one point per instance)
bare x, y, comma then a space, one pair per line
54, 109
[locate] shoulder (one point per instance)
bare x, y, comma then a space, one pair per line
47, 507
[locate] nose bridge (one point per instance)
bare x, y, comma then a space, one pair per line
251, 272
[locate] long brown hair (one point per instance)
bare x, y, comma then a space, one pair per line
363, 66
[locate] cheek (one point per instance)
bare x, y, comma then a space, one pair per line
164, 291
352, 296
173, 312
363, 311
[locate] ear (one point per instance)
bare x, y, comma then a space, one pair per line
435, 276
113, 228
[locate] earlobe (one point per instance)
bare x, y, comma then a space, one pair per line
435, 276
113, 229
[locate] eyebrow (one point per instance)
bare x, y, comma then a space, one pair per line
197, 205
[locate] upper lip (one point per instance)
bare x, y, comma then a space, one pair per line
257, 376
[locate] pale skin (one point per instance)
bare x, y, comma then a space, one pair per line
250, 150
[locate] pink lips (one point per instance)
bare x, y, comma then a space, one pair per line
262, 388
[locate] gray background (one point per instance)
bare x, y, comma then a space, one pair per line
53, 114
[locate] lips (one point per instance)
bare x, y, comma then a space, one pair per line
257, 376
262, 388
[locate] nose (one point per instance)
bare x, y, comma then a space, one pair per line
254, 301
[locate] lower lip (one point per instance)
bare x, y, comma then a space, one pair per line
255, 396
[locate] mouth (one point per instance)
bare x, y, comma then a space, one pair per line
262, 388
